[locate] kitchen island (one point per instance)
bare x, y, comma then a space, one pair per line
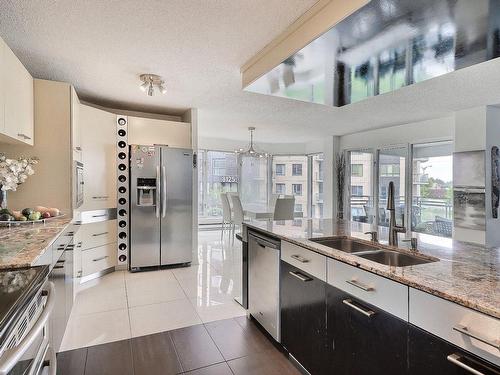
334, 310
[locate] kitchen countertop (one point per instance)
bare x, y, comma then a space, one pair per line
466, 273
22, 245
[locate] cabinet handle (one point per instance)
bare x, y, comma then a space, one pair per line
99, 234
301, 259
101, 258
100, 197
368, 313
464, 330
57, 267
359, 285
78, 148
23, 135
299, 276
456, 360
103, 215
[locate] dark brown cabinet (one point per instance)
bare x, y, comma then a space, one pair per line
429, 354
363, 339
303, 318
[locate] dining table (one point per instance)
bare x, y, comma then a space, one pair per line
258, 211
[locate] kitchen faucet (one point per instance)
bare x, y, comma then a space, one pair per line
393, 228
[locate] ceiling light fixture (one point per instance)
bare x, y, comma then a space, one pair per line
251, 150
150, 81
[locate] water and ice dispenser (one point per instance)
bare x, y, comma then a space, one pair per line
146, 192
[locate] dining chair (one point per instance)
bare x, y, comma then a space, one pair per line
227, 221
238, 214
283, 210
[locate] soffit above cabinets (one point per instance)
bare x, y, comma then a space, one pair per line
377, 47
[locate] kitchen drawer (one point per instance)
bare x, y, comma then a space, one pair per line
98, 259
446, 319
304, 259
97, 234
376, 290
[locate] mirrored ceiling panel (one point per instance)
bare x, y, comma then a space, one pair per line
384, 46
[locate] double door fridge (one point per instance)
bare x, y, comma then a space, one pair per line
161, 206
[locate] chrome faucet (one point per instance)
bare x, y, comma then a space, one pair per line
391, 207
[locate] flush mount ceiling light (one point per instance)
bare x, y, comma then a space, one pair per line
251, 150
150, 82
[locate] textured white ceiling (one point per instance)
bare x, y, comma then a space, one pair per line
198, 46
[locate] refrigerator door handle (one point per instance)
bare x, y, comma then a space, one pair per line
157, 207
164, 188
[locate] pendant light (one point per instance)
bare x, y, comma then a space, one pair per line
251, 152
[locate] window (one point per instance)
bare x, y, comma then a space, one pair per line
317, 186
254, 174
219, 167
361, 187
297, 189
280, 189
280, 169
298, 208
357, 190
357, 170
387, 170
217, 173
296, 169
432, 189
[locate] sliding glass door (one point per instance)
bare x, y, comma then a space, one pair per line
392, 168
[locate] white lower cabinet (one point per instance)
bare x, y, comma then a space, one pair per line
98, 259
97, 234
386, 294
468, 329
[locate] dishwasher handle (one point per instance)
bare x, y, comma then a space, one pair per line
263, 242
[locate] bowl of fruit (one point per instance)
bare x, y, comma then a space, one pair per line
28, 215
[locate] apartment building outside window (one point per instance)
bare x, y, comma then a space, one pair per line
288, 171
297, 189
296, 169
280, 169
357, 170
425, 180
357, 190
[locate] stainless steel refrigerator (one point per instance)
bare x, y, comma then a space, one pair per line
161, 221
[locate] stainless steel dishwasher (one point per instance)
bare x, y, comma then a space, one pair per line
264, 282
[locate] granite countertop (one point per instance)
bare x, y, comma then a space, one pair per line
22, 245
466, 273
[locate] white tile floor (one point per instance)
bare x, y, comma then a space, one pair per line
121, 305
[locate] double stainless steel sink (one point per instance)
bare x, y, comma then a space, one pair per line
372, 251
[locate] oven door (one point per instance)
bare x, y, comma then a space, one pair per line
27, 350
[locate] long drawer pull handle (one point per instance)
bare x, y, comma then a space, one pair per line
99, 234
299, 276
100, 197
368, 313
359, 285
23, 135
456, 360
301, 259
101, 258
465, 331
103, 215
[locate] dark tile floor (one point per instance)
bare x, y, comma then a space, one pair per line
234, 346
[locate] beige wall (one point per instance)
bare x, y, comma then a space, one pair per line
51, 183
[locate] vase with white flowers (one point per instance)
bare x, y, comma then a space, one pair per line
14, 172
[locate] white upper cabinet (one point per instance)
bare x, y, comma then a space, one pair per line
145, 131
99, 157
76, 131
16, 98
